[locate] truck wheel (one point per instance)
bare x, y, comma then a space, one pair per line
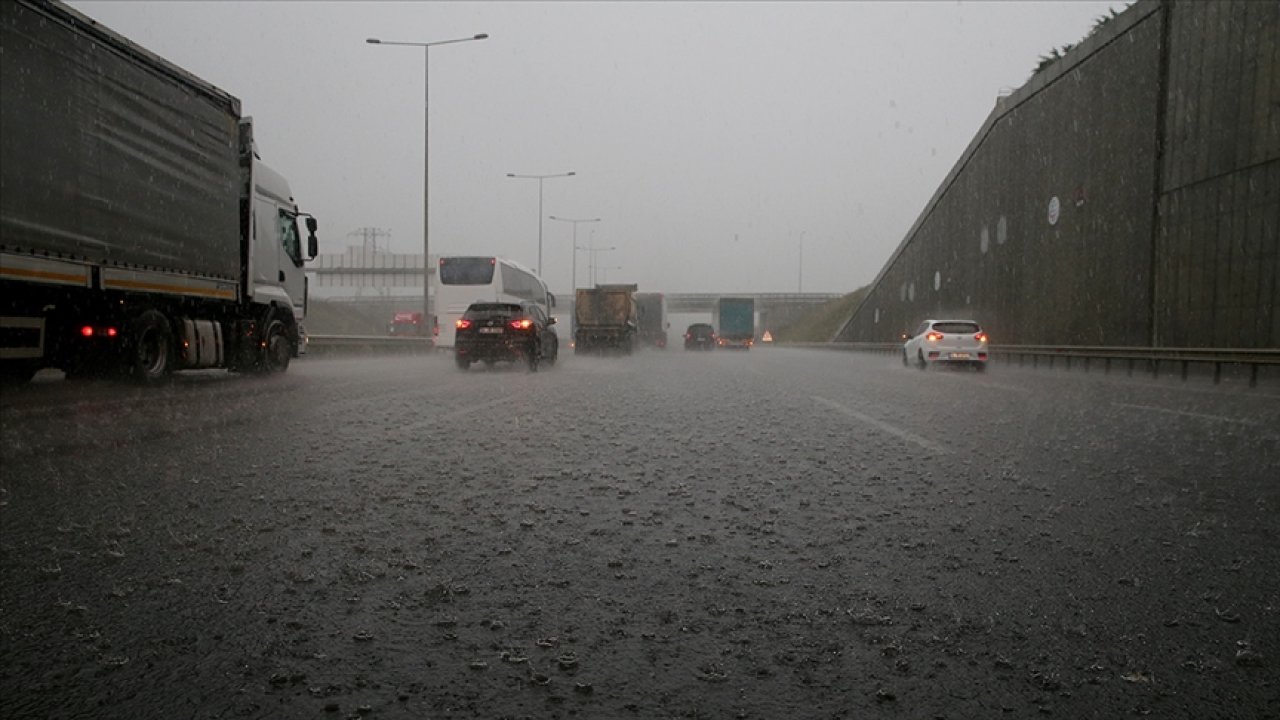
276, 352
550, 360
150, 355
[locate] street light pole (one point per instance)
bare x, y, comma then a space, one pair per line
426, 143
591, 258
800, 271
540, 178
573, 284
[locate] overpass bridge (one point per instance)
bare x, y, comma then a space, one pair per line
704, 302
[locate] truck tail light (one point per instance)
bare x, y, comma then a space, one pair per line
91, 331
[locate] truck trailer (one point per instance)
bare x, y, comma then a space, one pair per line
139, 230
735, 322
651, 319
605, 319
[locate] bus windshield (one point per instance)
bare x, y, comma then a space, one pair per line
466, 270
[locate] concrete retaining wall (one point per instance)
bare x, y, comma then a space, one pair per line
1124, 196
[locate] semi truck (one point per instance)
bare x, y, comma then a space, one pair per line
605, 319
651, 319
735, 322
140, 233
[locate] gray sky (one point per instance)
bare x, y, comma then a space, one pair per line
708, 136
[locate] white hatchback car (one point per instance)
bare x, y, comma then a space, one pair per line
946, 341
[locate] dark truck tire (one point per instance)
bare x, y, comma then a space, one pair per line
277, 349
149, 357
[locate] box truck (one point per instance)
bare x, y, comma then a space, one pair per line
735, 322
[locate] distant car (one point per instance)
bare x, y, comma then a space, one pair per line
406, 324
946, 341
489, 332
700, 336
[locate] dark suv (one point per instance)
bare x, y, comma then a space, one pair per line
700, 336
489, 331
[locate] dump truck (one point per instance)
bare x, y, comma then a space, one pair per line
651, 320
139, 230
735, 322
605, 319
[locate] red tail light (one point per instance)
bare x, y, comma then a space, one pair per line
521, 324
462, 323
111, 332
980, 337
933, 336
86, 331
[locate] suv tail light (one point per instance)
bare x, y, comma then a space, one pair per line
933, 336
521, 324
463, 324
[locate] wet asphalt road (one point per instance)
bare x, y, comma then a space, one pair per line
774, 534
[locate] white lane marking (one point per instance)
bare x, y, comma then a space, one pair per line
1184, 413
884, 426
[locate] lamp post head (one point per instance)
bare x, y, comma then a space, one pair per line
481, 36
571, 173
374, 41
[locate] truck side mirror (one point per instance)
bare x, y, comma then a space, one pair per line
313, 245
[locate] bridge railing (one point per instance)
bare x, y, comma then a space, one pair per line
1147, 359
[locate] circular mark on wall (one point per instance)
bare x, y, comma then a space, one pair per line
911, 292
985, 240
1055, 207
937, 279
1002, 230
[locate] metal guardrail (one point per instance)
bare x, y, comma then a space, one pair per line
369, 343
1088, 356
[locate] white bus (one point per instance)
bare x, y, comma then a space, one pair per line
465, 280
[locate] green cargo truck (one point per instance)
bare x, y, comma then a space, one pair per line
735, 322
